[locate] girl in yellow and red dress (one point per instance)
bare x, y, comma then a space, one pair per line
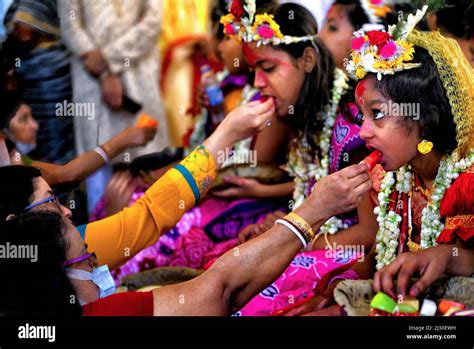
416, 92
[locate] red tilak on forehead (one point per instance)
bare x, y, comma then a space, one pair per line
360, 89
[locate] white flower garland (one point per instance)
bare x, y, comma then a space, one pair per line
318, 171
431, 226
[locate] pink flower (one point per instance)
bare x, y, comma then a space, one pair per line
357, 43
376, 2
265, 31
229, 29
388, 50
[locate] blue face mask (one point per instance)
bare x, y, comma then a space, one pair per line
24, 148
100, 276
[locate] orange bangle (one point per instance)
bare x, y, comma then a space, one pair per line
301, 224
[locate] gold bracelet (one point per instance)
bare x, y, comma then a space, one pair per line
302, 225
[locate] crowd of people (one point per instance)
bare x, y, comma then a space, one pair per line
269, 199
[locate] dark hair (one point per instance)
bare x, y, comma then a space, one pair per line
423, 85
16, 189
457, 18
296, 20
36, 286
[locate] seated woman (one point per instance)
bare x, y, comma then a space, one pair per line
418, 110
223, 289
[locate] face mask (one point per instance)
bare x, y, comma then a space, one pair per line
24, 148
100, 276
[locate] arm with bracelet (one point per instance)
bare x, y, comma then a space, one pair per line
83, 165
241, 273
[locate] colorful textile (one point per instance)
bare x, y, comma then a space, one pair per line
304, 273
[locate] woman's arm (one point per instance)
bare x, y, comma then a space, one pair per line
241, 273
118, 238
83, 165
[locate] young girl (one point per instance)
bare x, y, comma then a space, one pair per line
207, 231
417, 98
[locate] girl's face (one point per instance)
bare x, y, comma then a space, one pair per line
23, 126
391, 134
336, 34
230, 53
277, 75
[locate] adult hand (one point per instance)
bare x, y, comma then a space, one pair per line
430, 264
112, 91
247, 120
95, 63
241, 123
337, 193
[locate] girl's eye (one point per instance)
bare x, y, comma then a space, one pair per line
332, 28
378, 115
269, 69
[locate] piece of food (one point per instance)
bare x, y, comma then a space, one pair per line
428, 308
373, 159
263, 99
384, 302
146, 120
445, 304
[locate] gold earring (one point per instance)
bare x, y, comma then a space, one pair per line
424, 147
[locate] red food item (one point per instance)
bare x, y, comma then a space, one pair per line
373, 159
263, 99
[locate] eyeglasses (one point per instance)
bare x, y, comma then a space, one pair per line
52, 198
90, 256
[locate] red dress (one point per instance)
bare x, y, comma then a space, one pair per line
456, 210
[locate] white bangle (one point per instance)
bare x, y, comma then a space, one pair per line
102, 153
294, 230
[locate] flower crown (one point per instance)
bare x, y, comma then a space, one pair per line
243, 24
383, 52
375, 9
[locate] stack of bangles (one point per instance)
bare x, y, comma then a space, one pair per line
299, 227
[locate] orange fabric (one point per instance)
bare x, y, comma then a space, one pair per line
117, 238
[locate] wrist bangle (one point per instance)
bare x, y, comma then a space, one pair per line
301, 224
99, 150
294, 230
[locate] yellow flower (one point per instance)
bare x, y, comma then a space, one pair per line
357, 59
267, 19
229, 18
360, 73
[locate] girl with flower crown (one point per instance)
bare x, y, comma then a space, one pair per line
423, 192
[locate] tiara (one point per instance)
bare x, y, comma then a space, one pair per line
383, 52
242, 23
